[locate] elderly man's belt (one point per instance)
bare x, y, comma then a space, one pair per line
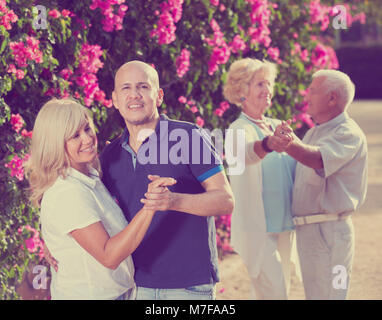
317, 218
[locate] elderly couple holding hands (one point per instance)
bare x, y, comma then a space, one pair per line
115, 228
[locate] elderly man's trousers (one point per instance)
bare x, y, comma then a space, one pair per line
326, 253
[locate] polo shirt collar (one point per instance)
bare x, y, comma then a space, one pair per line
334, 122
90, 181
161, 133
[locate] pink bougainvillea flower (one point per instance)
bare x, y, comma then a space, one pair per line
66, 13
260, 18
224, 105
16, 166
113, 12
20, 74
324, 57
199, 121
7, 17
304, 117
274, 54
219, 112
171, 13
27, 134
108, 103
54, 13
194, 109
182, 63
17, 122
302, 53
237, 44
11, 68
85, 74
319, 14
33, 244
220, 52
66, 73
182, 99
22, 53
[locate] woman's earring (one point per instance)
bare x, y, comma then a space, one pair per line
242, 99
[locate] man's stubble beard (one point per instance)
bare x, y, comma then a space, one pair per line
145, 120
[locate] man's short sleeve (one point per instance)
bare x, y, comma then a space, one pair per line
73, 208
338, 149
205, 160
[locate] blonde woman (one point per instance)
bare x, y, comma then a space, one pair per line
262, 226
83, 227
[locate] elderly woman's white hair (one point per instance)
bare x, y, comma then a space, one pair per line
340, 83
241, 73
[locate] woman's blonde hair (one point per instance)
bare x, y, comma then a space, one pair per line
241, 73
56, 122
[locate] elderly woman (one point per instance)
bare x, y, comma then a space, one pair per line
262, 226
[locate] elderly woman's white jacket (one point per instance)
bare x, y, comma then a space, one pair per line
248, 225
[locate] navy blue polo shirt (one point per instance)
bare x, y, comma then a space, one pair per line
179, 249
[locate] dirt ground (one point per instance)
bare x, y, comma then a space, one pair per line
366, 281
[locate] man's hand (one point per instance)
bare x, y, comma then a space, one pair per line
158, 196
282, 137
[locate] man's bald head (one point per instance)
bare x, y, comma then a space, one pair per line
136, 64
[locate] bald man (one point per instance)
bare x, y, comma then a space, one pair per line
178, 257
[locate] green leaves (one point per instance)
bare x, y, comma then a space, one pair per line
4, 43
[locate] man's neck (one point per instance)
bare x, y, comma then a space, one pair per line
325, 117
138, 133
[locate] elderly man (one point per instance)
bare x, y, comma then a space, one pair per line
177, 259
330, 184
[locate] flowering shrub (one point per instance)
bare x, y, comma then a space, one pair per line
190, 42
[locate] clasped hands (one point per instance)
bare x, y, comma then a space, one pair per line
282, 137
158, 197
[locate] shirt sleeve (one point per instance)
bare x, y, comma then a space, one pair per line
338, 149
205, 159
73, 208
247, 138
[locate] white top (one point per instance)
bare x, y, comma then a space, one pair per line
341, 186
248, 225
73, 203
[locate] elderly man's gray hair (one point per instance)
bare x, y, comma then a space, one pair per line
340, 83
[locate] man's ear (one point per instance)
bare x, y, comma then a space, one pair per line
333, 98
160, 97
114, 99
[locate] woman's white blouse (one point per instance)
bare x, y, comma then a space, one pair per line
73, 203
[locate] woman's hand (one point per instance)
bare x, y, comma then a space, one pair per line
48, 257
284, 130
158, 196
282, 137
